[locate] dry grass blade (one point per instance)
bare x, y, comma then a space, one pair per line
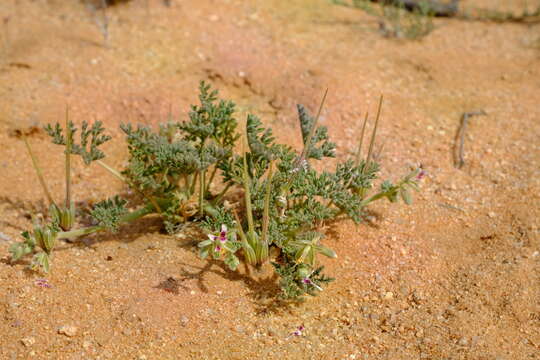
38, 171
360, 142
374, 134
459, 160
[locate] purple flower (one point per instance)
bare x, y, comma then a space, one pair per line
222, 237
217, 241
43, 283
308, 281
297, 332
420, 175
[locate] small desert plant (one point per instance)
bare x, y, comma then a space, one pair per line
287, 201
184, 171
395, 21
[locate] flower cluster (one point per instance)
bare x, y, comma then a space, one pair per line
224, 243
219, 240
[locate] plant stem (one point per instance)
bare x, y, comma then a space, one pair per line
381, 194
113, 171
38, 171
307, 145
373, 198
79, 232
193, 183
201, 191
68, 160
222, 194
360, 141
374, 134
247, 195
266, 215
119, 176
249, 253
212, 175
92, 229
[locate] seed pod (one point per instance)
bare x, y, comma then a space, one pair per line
303, 271
38, 236
49, 239
249, 253
67, 218
262, 252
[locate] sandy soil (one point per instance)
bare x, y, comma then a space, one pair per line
454, 276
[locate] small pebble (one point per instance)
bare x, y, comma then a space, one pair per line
491, 214
388, 295
68, 330
184, 320
28, 341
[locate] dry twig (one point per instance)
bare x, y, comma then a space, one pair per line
459, 161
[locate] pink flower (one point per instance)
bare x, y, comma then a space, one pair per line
217, 241
308, 281
297, 332
222, 235
43, 283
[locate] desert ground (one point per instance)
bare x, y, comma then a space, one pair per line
455, 275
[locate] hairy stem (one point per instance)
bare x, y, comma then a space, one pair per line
220, 196
201, 191
193, 183
68, 160
212, 175
266, 212
377, 196
247, 194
